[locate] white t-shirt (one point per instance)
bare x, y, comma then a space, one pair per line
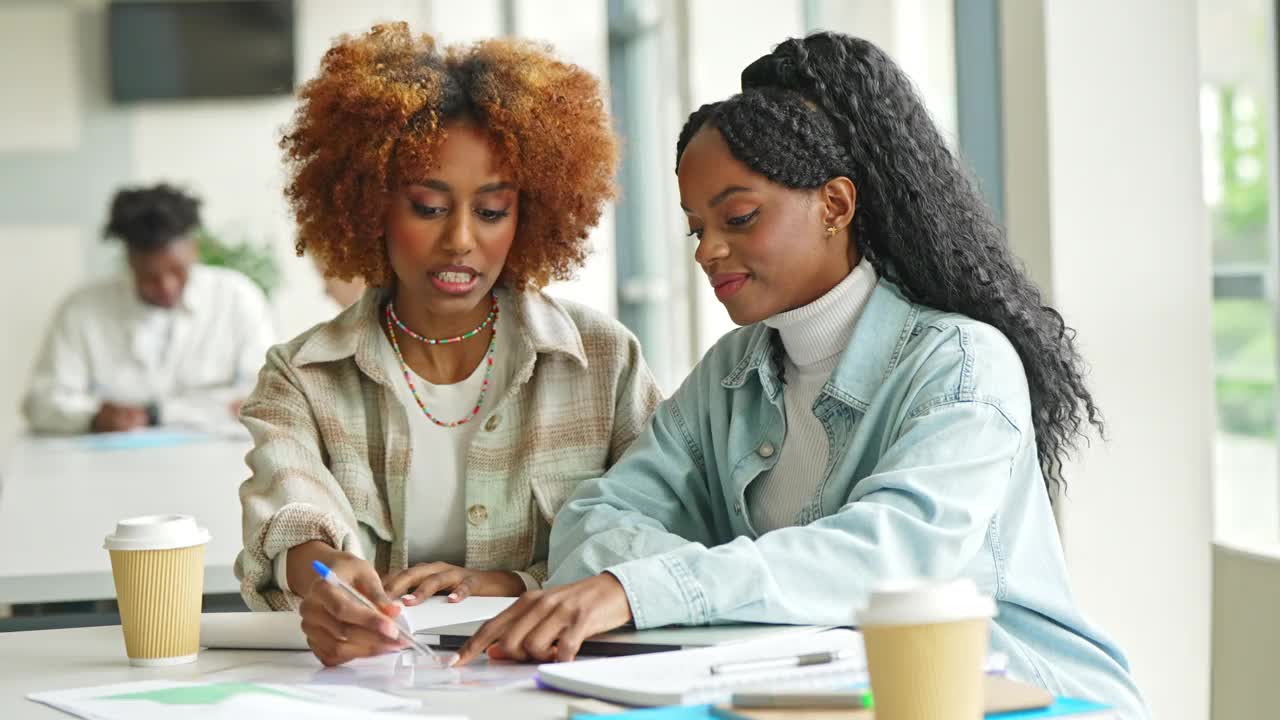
435, 494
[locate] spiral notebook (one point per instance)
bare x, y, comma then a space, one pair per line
684, 677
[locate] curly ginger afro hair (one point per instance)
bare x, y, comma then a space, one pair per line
376, 114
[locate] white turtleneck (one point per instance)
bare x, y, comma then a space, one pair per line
814, 337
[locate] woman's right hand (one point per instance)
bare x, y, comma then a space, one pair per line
338, 628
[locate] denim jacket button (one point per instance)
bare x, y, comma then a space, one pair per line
766, 450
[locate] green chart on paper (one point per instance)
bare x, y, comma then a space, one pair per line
202, 694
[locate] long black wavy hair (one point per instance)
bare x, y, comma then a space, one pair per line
830, 105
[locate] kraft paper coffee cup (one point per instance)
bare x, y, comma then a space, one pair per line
926, 645
158, 565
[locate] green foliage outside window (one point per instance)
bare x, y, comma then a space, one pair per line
1244, 328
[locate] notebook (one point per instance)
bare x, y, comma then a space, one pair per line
1000, 695
684, 677
1061, 708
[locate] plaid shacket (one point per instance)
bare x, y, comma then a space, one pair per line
332, 446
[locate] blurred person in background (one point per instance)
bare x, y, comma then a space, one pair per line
169, 341
421, 442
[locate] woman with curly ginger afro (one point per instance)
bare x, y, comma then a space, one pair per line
893, 407
421, 442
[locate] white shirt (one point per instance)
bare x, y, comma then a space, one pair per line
814, 337
193, 361
435, 494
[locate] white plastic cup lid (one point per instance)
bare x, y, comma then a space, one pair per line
924, 602
156, 532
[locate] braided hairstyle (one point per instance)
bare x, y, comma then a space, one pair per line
829, 106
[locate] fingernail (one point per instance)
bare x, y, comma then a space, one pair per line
453, 597
389, 629
406, 598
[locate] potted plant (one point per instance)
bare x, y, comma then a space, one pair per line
256, 262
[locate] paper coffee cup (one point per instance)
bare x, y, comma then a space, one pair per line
158, 565
926, 644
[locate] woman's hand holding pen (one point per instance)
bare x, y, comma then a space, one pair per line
338, 628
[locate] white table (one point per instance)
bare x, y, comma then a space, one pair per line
60, 498
84, 657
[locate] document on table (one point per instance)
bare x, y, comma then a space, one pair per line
395, 672
164, 699
283, 631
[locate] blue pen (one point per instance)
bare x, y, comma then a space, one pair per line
332, 578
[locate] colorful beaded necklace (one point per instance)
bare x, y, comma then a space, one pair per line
493, 315
408, 377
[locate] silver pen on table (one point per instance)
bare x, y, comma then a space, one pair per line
818, 658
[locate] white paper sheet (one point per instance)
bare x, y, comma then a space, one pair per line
395, 673
283, 631
216, 700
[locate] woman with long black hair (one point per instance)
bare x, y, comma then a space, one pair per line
898, 403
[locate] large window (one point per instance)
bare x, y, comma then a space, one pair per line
1237, 111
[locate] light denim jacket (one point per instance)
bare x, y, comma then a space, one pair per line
932, 472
